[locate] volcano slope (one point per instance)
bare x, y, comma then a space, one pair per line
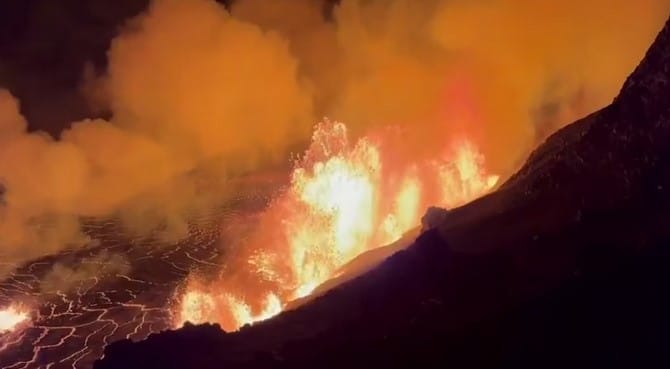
565, 266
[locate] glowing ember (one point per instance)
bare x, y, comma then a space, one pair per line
11, 318
343, 200
463, 178
228, 310
197, 307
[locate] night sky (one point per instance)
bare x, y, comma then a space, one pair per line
44, 47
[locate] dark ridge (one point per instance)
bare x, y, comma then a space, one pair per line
566, 266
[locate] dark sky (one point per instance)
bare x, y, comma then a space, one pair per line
44, 45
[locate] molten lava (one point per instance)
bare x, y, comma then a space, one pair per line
11, 318
201, 306
344, 199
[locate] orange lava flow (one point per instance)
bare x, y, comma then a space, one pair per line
344, 199
11, 318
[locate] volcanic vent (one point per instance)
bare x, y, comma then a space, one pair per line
334, 210
572, 251
62, 310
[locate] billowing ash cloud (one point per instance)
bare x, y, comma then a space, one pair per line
190, 81
187, 82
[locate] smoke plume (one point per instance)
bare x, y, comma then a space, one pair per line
504, 72
67, 276
191, 82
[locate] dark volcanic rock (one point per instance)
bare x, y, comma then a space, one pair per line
565, 266
433, 218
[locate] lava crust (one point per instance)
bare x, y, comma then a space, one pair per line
130, 295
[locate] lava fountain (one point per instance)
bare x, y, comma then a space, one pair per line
11, 318
344, 199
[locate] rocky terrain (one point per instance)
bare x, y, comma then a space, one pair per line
565, 266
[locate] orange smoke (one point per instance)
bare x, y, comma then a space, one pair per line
530, 66
345, 198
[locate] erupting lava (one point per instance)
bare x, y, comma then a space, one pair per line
10, 318
343, 200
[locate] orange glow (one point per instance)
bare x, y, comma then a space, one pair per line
11, 318
199, 305
463, 179
336, 203
273, 306
406, 210
344, 199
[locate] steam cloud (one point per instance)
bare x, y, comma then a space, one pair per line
190, 82
63, 277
